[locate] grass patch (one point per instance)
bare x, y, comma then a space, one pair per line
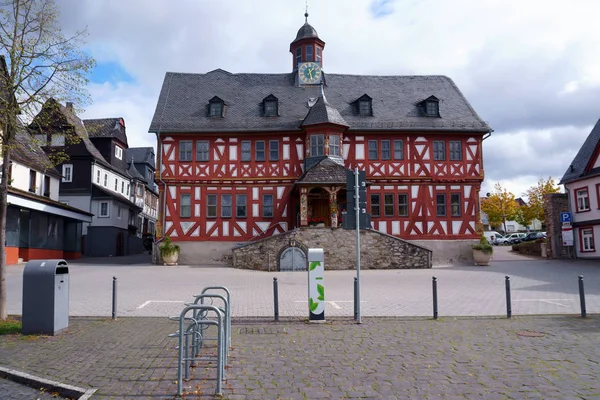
10, 326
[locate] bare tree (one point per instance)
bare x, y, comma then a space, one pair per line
37, 62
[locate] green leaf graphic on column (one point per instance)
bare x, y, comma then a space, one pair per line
321, 291
312, 305
314, 264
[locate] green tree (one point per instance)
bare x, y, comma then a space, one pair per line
37, 62
524, 215
500, 206
535, 196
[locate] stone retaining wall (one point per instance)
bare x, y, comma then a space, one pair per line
378, 250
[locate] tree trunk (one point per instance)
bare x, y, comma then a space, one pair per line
3, 210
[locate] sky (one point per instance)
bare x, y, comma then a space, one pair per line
530, 69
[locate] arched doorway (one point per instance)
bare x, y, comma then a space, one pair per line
292, 259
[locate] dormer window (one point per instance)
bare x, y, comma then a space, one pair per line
364, 105
431, 107
215, 107
270, 106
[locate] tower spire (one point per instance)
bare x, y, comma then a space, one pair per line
306, 12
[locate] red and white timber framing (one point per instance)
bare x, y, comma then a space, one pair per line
417, 175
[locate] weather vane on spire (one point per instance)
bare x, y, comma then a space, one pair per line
306, 12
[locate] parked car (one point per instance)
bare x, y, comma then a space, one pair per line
533, 236
512, 238
491, 236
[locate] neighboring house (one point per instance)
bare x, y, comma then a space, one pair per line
95, 177
142, 160
249, 155
38, 226
582, 185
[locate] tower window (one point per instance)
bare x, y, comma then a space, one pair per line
334, 145
309, 53
319, 54
316, 145
298, 55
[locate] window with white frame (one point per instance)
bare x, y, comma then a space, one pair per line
246, 150
226, 205
583, 200
211, 206
119, 152
587, 239
103, 211
334, 145
119, 211
67, 172
98, 177
267, 205
116, 184
185, 210
122, 187
316, 145
106, 180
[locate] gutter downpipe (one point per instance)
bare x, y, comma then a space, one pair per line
155, 256
487, 135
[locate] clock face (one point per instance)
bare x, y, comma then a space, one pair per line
309, 73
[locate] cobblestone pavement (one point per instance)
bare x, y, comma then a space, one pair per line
541, 357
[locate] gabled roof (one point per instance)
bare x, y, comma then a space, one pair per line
182, 101
57, 119
578, 166
326, 171
141, 155
106, 128
323, 113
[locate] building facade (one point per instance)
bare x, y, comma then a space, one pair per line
244, 156
582, 185
96, 177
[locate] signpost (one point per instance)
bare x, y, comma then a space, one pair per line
567, 229
316, 285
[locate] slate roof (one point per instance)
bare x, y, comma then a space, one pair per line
101, 192
142, 155
183, 100
106, 128
56, 118
134, 173
577, 168
322, 113
306, 31
326, 171
28, 152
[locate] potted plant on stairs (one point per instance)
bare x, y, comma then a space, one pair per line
482, 252
169, 251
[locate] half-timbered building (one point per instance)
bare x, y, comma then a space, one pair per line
250, 155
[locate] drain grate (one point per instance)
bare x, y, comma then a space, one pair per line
267, 330
530, 334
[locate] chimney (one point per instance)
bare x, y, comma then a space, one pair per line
70, 106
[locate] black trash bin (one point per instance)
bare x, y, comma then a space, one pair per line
45, 297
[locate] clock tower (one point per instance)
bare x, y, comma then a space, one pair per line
307, 48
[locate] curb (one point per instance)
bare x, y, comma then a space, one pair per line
52, 386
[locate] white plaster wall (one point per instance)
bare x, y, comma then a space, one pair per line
20, 180
577, 244
594, 212
112, 219
110, 185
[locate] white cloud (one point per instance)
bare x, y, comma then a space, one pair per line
529, 68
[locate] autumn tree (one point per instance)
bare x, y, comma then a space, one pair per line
500, 206
37, 62
535, 195
524, 215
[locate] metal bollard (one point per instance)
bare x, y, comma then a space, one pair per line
355, 299
508, 306
114, 298
276, 298
582, 297
435, 299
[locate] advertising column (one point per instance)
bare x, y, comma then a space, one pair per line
316, 285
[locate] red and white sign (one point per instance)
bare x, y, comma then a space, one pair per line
567, 235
